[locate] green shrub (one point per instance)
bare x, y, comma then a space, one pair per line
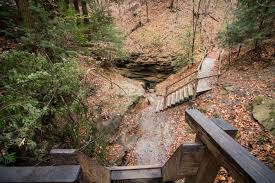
102, 30
36, 96
42, 100
8, 19
253, 21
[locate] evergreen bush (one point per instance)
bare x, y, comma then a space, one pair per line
254, 20
35, 96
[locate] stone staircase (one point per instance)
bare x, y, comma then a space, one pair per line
188, 87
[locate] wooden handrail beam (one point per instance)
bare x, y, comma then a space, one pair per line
175, 82
135, 173
47, 174
236, 159
168, 93
191, 154
213, 75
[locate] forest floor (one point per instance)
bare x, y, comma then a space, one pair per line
159, 134
168, 30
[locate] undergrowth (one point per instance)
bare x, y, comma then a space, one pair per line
43, 103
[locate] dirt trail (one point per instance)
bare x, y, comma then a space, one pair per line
157, 135
158, 129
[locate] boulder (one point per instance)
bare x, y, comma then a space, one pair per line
110, 126
264, 112
128, 141
229, 87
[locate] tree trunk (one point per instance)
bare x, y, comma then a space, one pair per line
76, 6
260, 27
84, 11
195, 22
67, 3
171, 6
24, 11
147, 10
77, 10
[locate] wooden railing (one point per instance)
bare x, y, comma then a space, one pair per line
185, 83
167, 92
197, 162
214, 148
194, 79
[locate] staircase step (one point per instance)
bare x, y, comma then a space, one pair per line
136, 174
162, 104
173, 98
177, 97
169, 101
181, 94
190, 90
158, 106
185, 93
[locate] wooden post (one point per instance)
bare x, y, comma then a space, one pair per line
209, 167
184, 162
228, 153
207, 171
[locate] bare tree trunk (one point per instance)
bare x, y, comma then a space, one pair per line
171, 6
84, 11
67, 3
24, 10
77, 10
195, 22
76, 6
229, 55
147, 10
